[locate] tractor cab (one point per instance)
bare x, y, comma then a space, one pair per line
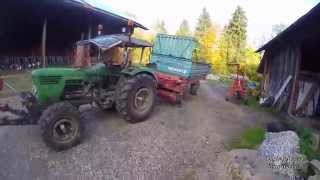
113, 50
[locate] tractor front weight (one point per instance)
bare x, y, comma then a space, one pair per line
27, 115
19, 117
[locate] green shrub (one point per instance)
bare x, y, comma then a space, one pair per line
306, 143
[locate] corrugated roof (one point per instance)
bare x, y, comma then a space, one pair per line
109, 41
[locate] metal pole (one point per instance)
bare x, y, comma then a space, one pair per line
44, 41
82, 36
141, 56
89, 32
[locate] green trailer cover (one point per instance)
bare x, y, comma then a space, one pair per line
173, 55
176, 46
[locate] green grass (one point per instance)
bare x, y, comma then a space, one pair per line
20, 81
250, 139
254, 104
306, 143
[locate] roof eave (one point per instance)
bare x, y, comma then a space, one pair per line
83, 4
288, 30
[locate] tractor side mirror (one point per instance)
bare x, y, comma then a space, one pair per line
1, 84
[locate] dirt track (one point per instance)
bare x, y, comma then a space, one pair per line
175, 143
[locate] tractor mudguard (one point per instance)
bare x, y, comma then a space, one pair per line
135, 70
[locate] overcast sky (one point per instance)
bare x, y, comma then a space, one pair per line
262, 14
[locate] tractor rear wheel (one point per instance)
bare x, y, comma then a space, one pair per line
135, 97
61, 126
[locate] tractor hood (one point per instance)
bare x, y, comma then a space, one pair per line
74, 73
50, 83
58, 72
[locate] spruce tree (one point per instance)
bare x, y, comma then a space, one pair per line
206, 35
235, 35
160, 27
184, 29
204, 24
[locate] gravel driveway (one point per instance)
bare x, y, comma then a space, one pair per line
175, 143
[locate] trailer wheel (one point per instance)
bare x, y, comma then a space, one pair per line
61, 126
194, 88
135, 97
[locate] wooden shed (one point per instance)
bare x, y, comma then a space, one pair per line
291, 67
48, 29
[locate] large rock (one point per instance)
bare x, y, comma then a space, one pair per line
242, 164
281, 153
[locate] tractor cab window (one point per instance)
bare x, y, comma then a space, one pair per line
114, 56
117, 56
82, 56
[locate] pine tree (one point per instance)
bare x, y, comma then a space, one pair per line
277, 29
184, 29
204, 24
160, 27
235, 35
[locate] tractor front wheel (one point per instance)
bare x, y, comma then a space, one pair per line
135, 97
61, 126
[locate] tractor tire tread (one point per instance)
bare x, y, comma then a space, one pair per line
124, 87
49, 115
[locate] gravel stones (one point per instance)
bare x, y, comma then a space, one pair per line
242, 164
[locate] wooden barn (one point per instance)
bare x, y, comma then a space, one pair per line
44, 31
291, 68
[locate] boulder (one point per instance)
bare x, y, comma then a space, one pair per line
281, 153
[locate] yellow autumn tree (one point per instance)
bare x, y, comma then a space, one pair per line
207, 42
136, 53
206, 35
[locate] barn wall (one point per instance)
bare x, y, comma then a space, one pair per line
307, 98
280, 64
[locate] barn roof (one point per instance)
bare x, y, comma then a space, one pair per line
103, 8
304, 28
68, 21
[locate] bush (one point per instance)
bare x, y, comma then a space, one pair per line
306, 143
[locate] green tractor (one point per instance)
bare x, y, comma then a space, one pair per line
59, 92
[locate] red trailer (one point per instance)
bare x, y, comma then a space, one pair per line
177, 73
174, 88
